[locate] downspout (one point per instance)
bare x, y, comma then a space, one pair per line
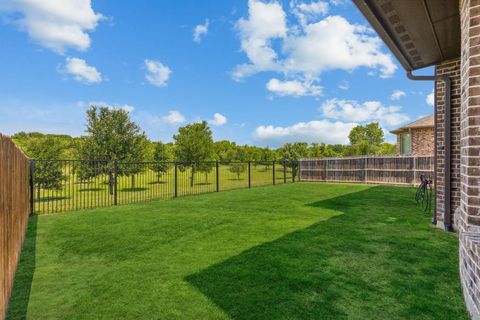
447, 135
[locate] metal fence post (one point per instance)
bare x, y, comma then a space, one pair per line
217, 175
32, 187
299, 170
249, 176
176, 180
115, 182
293, 174
273, 172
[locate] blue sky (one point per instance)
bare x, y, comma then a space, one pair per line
261, 72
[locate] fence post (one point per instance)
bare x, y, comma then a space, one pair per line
273, 172
249, 176
293, 174
414, 170
217, 175
115, 183
365, 164
32, 187
176, 179
284, 171
299, 171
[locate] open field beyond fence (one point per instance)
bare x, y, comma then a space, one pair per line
65, 185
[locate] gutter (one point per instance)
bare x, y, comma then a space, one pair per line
447, 134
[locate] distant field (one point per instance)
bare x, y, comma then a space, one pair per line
75, 194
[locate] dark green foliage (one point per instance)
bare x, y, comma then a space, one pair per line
194, 148
365, 140
48, 174
111, 136
238, 165
161, 156
292, 152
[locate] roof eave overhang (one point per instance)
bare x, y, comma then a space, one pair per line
378, 25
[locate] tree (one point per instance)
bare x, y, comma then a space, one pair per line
292, 152
238, 165
223, 149
322, 151
194, 148
112, 136
366, 140
161, 156
48, 173
388, 149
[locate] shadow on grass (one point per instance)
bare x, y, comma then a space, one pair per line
203, 183
158, 182
91, 189
138, 189
378, 260
51, 198
18, 304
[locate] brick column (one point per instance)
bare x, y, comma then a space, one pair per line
468, 217
450, 68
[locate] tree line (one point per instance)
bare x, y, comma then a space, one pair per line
112, 136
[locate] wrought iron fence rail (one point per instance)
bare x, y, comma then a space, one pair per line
64, 185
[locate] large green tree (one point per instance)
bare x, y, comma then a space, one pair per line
112, 136
48, 173
194, 148
238, 165
292, 152
161, 156
366, 140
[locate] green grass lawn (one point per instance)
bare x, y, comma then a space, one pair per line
295, 251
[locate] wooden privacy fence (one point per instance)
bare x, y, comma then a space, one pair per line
14, 213
387, 170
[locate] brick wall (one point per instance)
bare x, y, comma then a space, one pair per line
451, 69
468, 217
422, 141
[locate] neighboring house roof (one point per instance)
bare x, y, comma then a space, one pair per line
420, 33
425, 122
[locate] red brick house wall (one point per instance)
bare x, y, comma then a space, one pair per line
451, 69
422, 142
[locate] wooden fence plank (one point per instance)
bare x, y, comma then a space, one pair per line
377, 170
14, 213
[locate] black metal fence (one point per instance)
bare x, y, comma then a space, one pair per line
64, 185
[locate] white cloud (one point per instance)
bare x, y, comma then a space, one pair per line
431, 98
349, 110
334, 43
294, 88
397, 94
266, 21
308, 12
304, 51
218, 120
157, 73
128, 108
81, 71
312, 131
54, 24
173, 117
344, 85
199, 31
